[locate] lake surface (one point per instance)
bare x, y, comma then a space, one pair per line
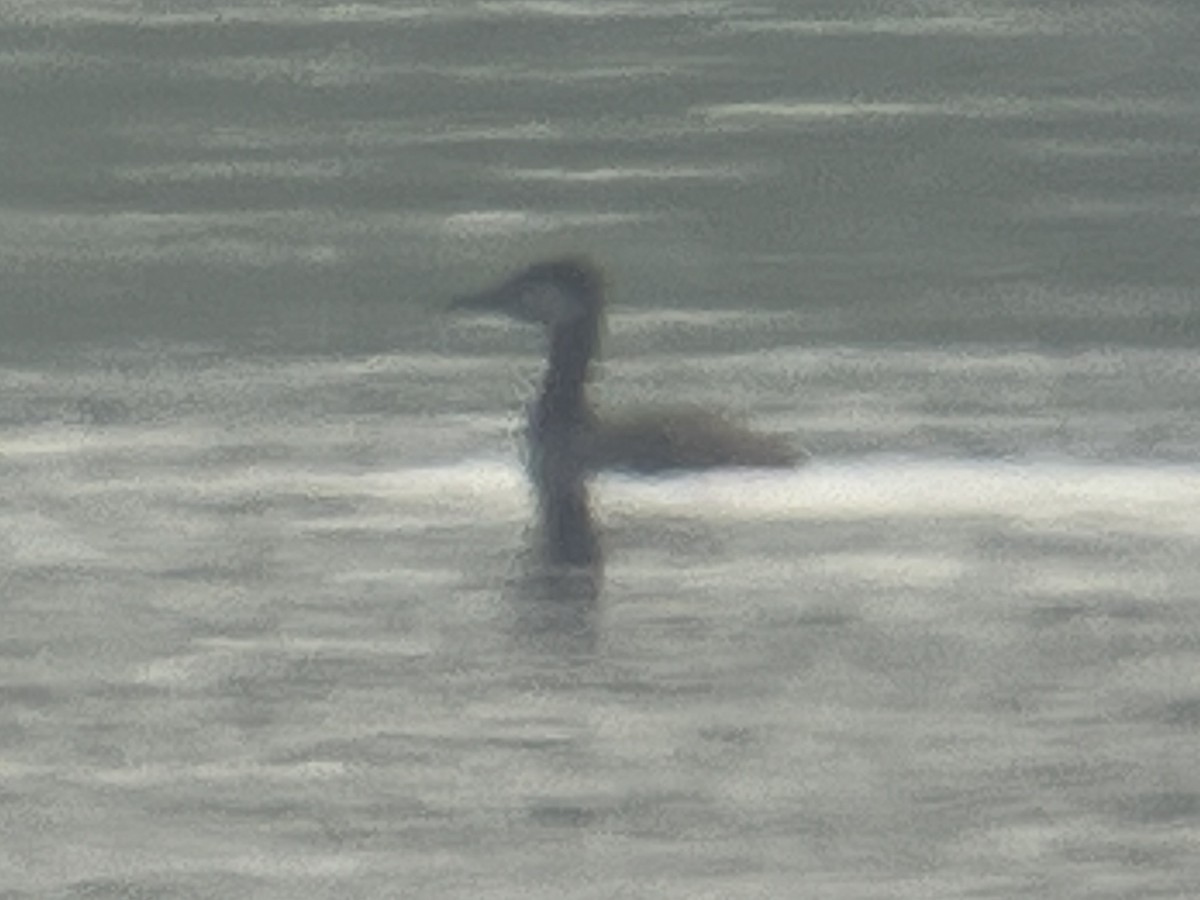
273, 620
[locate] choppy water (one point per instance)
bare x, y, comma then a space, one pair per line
271, 627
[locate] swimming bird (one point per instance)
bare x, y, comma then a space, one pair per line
568, 440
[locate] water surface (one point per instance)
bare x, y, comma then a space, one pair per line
272, 627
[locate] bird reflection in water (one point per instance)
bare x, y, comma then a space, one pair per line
568, 441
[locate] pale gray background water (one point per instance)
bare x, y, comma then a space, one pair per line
269, 623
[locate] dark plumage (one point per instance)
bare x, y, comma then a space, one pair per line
568, 441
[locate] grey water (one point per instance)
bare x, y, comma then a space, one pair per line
272, 620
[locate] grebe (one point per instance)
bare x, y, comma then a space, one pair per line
568, 441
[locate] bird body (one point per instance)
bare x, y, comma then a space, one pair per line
679, 438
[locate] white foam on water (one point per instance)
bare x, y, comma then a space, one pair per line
1161, 496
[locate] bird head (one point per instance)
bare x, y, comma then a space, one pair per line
552, 293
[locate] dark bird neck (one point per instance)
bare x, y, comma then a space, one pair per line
563, 402
558, 438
